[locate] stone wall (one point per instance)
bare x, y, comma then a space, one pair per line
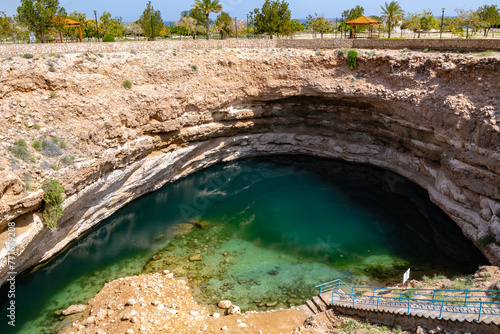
413, 44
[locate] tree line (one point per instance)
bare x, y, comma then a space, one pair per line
46, 18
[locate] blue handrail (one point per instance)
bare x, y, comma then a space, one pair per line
478, 302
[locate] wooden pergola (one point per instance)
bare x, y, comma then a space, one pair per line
364, 21
69, 23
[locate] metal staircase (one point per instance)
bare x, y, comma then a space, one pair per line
454, 305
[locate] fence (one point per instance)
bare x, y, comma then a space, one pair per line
480, 302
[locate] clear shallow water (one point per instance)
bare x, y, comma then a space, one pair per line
267, 230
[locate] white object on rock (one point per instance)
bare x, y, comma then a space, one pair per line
216, 315
233, 309
225, 304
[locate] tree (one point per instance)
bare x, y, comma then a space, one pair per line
151, 22
294, 26
318, 24
352, 14
489, 17
185, 26
273, 19
7, 26
207, 7
469, 19
428, 21
40, 16
223, 24
391, 12
111, 26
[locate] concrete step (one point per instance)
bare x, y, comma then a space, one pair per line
320, 304
310, 305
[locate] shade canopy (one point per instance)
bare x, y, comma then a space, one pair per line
69, 23
363, 21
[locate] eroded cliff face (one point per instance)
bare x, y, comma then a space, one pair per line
429, 117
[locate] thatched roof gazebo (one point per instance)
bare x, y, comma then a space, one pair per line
364, 21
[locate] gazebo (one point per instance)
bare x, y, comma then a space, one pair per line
364, 21
69, 23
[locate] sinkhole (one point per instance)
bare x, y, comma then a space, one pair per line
261, 232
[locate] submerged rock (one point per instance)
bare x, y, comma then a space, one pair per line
195, 257
273, 272
74, 309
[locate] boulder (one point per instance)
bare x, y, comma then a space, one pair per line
233, 309
225, 304
74, 309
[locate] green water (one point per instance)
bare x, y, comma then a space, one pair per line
267, 231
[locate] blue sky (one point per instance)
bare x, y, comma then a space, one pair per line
130, 10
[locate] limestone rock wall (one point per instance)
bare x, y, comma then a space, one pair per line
431, 118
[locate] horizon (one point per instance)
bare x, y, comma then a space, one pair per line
239, 8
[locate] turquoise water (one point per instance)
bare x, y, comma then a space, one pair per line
260, 232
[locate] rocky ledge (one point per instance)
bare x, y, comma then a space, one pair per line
433, 118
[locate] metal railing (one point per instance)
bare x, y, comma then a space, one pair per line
480, 302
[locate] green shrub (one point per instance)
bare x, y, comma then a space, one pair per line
36, 126
68, 160
28, 186
37, 145
55, 140
52, 198
352, 59
52, 69
127, 84
194, 67
342, 52
8, 58
108, 38
20, 150
52, 95
54, 166
426, 50
63, 144
27, 55
485, 240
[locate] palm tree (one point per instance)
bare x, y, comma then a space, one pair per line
207, 7
392, 12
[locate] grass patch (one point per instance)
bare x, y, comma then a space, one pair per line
52, 95
36, 126
28, 186
20, 150
37, 145
27, 56
62, 144
127, 84
68, 160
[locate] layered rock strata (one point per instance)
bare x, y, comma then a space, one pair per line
432, 118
